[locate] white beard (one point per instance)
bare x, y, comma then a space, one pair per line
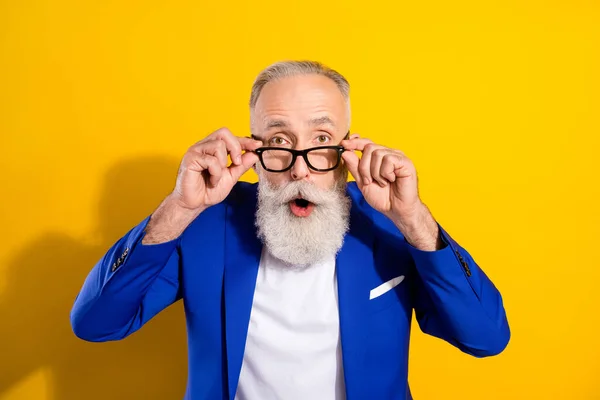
302, 241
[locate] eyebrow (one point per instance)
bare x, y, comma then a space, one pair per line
325, 120
319, 121
277, 123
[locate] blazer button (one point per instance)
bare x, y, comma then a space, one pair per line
464, 263
467, 269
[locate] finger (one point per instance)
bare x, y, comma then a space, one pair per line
211, 137
249, 144
389, 164
356, 144
394, 166
211, 165
234, 148
364, 167
248, 160
215, 148
376, 159
351, 160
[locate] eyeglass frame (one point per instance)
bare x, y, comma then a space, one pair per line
304, 153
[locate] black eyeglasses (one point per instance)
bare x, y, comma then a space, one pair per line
280, 159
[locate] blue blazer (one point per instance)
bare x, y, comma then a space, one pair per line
213, 267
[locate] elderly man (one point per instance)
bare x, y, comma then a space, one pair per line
301, 286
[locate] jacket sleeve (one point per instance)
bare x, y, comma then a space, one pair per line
455, 301
128, 286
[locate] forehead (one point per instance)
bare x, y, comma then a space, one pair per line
301, 101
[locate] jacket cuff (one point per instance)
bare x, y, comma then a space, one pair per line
446, 260
141, 254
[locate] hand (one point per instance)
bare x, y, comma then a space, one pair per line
386, 177
204, 179
388, 181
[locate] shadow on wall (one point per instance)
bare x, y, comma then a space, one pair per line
43, 281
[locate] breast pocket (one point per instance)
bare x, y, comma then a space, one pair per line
387, 293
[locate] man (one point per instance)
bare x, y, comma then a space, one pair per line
301, 286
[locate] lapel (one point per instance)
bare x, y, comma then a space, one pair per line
242, 258
353, 261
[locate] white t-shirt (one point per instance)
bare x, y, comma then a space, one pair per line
293, 346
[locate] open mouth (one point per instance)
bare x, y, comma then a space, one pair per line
302, 203
301, 207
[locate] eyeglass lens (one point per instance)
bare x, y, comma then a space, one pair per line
278, 160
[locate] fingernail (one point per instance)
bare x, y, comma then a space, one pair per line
238, 159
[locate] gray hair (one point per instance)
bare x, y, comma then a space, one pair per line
285, 69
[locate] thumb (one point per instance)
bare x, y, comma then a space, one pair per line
351, 160
248, 160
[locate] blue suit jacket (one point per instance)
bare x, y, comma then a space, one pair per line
213, 266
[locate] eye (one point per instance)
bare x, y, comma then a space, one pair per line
322, 139
277, 141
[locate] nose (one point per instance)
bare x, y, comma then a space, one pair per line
300, 170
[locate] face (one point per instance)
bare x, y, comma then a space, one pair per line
301, 112
302, 214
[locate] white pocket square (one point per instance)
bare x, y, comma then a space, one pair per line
385, 287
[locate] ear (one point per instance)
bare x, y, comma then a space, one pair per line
256, 166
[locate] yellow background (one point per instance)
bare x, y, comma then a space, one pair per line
496, 102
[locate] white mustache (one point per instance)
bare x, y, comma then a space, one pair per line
303, 189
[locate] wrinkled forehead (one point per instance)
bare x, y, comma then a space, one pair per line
289, 123
299, 104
